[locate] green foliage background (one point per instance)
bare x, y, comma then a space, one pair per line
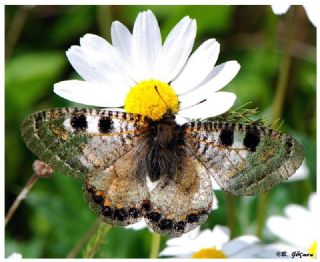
55, 216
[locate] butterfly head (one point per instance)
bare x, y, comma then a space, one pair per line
152, 98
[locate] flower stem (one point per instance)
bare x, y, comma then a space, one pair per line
278, 107
230, 213
97, 240
22, 195
15, 28
155, 245
83, 240
262, 212
284, 69
42, 170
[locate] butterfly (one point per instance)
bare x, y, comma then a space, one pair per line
134, 167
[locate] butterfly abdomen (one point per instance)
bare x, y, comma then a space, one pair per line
163, 150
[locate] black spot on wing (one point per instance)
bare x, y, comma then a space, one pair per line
121, 214
105, 124
166, 224
154, 216
79, 122
252, 138
226, 137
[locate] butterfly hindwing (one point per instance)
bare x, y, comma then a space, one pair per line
182, 202
76, 141
244, 159
118, 194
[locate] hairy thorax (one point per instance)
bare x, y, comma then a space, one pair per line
162, 149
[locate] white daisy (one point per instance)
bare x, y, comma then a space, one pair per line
15, 256
297, 230
147, 76
214, 243
311, 7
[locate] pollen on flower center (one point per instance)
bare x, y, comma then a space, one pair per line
209, 253
151, 98
313, 249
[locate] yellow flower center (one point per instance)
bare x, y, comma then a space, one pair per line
151, 98
313, 249
209, 253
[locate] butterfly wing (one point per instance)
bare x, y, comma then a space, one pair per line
76, 141
180, 203
244, 159
118, 194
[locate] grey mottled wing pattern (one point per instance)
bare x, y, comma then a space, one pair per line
76, 141
244, 159
181, 203
118, 194
178, 204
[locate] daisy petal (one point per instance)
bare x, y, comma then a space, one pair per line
96, 60
199, 65
85, 92
313, 203
215, 105
280, 7
297, 213
219, 236
122, 42
175, 50
81, 64
220, 76
214, 184
105, 57
138, 226
250, 251
239, 244
121, 39
300, 174
282, 227
313, 14
175, 251
185, 238
146, 44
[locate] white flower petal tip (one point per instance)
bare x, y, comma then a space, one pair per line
288, 228
138, 226
300, 174
198, 66
217, 238
146, 44
15, 256
85, 92
217, 104
312, 10
176, 50
280, 7
219, 77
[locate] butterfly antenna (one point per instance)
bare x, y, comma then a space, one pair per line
156, 88
194, 104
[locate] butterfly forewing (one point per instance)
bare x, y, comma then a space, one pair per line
244, 159
75, 141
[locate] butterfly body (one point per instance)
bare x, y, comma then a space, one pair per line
136, 168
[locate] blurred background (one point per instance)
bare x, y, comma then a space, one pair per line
53, 218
